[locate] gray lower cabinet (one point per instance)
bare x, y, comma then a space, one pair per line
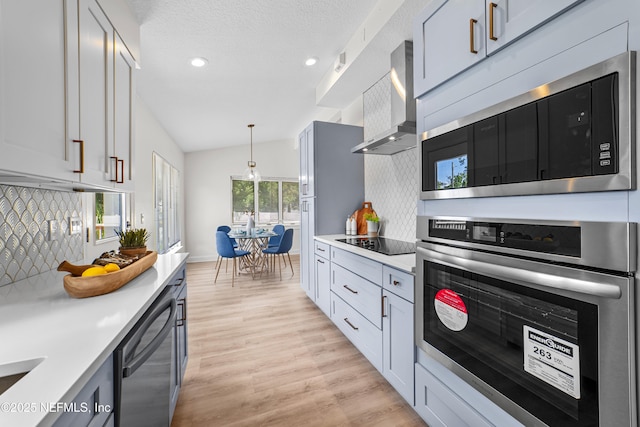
323, 277
397, 344
93, 406
180, 354
372, 304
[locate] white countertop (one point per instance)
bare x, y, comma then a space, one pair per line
405, 262
38, 319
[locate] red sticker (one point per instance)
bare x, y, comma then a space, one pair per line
451, 310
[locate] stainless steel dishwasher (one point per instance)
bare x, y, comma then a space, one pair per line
143, 367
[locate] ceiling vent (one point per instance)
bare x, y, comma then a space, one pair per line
389, 108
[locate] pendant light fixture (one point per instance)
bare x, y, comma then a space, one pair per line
251, 172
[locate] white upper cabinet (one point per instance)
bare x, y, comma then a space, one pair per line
449, 36
66, 95
508, 20
124, 95
94, 85
32, 89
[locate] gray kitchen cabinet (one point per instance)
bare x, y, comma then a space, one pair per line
323, 277
450, 36
331, 187
372, 304
398, 331
180, 350
93, 405
33, 127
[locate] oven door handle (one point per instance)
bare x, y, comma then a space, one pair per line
517, 274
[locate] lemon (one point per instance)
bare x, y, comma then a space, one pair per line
94, 271
111, 267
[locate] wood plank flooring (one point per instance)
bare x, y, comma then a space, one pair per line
262, 354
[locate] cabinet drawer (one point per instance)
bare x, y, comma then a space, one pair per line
439, 406
362, 333
364, 267
322, 249
398, 282
95, 401
359, 293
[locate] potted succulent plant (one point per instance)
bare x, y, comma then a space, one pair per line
373, 222
133, 242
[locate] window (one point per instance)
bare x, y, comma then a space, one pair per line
109, 215
272, 200
166, 180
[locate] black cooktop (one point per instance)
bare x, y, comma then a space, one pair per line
381, 244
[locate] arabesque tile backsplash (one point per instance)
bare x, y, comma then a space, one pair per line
24, 248
391, 185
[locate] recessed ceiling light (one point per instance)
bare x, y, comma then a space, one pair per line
311, 61
199, 62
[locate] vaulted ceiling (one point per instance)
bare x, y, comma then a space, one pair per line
256, 73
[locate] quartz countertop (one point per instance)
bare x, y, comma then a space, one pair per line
72, 337
406, 262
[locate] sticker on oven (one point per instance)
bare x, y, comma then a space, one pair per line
451, 309
553, 360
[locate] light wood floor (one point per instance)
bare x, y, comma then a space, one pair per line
262, 354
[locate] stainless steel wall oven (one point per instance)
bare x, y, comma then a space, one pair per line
536, 315
576, 134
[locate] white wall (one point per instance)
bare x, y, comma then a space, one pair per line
208, 188
150, 137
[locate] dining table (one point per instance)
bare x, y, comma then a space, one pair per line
254, 242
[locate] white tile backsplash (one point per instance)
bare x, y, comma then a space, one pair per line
24, 248
391, 185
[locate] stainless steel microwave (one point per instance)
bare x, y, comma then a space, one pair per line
576, 134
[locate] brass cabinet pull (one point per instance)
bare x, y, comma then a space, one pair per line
121, 180
492, 7
81, 142
346, 319
472, 43
115, 159
396, 283
383, 306
349, 289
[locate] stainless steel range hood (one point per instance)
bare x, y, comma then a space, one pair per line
395, 131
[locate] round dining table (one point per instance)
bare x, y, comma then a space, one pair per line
254, 242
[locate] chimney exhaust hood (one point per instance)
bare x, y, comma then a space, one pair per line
389, 108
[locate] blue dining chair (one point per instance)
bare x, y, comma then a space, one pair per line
227, 229
226, 250
275, 240
283, 248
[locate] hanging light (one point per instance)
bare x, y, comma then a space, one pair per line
251, 172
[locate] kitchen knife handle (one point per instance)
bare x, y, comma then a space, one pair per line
472, 43
492, 7
81, 142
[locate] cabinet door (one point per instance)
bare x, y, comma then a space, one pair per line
95, 70
397, 344
124, 95
448, 37
306, 162
307, 226
32, 89
508, 20
323, 284
484, 161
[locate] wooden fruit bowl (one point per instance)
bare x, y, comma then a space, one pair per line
83, 287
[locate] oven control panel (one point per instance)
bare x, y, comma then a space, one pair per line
552, 239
